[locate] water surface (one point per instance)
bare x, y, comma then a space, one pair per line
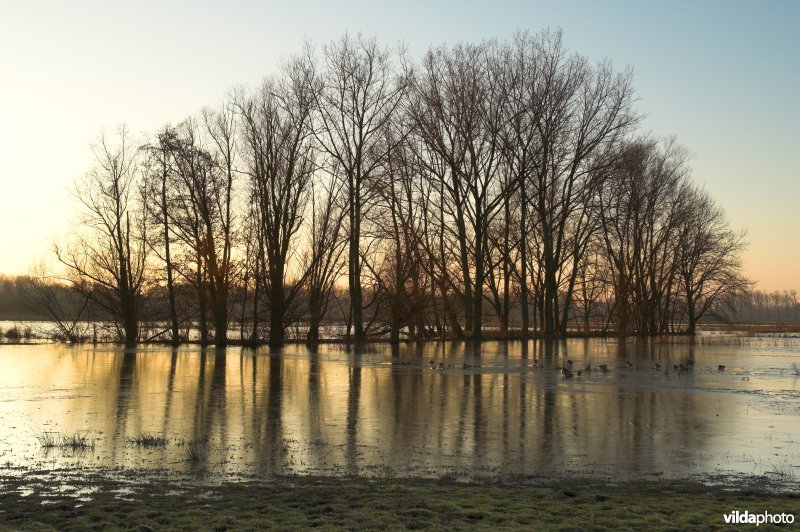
382, 411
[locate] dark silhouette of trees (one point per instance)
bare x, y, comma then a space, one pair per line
46, 297
159, 170
708, 258
577, 111
457, 109
491, 189
280, 162
323, 262
202, 215
106, 255
360, 90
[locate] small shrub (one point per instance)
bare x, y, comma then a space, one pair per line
796, 368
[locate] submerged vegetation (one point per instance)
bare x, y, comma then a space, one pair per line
147, 439
75, 441
195, 453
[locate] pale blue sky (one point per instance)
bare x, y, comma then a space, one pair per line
724, 76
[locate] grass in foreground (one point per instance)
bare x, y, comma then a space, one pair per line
300, 503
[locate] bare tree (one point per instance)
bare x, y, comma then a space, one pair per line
105, 256
158, 176
280, 162
360, 92
65, 308
202, 213
398, 272
640, 208
457, 109
323, 261
577, 111
709, 258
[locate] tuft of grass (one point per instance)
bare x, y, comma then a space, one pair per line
195, 453
48, 439
782, 470
76, 441
796, 368
147, 439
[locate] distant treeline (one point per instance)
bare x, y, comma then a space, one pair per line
756, 306
25, 298
500, 187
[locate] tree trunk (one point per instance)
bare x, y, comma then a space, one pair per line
356, 296
476, 333
277, 306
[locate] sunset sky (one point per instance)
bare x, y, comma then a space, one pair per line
723, 76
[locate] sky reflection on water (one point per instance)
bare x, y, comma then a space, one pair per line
385, 412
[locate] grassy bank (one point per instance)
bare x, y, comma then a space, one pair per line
299, 503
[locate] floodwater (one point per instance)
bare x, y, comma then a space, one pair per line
385, 412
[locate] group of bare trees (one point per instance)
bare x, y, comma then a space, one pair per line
497, 186
757, 306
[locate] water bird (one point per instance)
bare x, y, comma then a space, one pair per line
580, 372
566, 373
441, 365
657, 365
720, 368
628, 362
433, 364
569, 363
674, 367
604, 368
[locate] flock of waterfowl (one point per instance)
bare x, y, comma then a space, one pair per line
567, 370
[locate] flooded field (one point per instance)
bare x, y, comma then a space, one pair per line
496, 410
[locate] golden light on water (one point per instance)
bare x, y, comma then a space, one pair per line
338, 412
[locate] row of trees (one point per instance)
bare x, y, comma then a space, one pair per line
757, 306
499, 182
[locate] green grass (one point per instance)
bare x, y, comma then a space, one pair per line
303, 502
